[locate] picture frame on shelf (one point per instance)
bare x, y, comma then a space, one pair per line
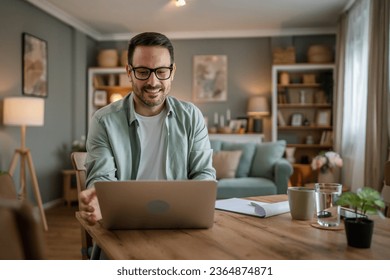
243, 124
235, 125
238, 126
323, 117
100, 98
35, 79
296, 119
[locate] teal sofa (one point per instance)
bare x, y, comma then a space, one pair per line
260, 169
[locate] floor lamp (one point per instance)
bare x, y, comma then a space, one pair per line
25, 111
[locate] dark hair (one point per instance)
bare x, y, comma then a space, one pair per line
149, 39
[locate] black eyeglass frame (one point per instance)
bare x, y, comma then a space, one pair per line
152, 70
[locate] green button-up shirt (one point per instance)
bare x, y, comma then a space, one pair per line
114, 149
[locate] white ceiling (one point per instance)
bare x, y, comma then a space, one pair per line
119, 19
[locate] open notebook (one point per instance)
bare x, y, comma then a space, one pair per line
157, 204
253, 208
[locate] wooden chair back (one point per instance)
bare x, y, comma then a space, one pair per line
21, 235
78, 161
386, 189
7, 186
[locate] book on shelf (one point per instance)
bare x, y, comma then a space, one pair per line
281, 120
320, 97
98, 81
326, 138
283, 98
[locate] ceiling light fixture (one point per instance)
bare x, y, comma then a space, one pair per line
180, 3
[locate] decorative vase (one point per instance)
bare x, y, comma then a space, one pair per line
284, 78
329, 176
359, 232
290, 154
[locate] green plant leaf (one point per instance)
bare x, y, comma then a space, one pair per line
368, 194
349, 199
366, 200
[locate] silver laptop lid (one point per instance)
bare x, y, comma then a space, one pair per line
157, 204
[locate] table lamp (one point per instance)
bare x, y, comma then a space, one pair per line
257, 108
25, 111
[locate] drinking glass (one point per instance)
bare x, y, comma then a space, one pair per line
328, 212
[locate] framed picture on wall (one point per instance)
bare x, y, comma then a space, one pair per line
34, 66
210, 78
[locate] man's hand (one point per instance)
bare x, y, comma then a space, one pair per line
89, 206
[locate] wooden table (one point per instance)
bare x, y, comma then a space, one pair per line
236, 236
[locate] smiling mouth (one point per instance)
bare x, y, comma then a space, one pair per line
152, 90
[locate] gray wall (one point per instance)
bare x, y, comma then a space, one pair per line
66, 101
70, 53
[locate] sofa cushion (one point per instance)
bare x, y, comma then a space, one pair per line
216, 145
226, 163
248, 151
245, 187
266, 155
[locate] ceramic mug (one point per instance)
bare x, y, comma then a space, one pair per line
302, 203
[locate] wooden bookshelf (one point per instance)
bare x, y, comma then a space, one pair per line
303, 108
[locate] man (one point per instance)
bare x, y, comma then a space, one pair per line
147, 134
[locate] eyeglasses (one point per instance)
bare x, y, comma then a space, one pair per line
143, 73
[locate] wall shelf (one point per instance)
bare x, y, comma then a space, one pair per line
290, 127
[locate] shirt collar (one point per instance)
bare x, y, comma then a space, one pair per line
129, 103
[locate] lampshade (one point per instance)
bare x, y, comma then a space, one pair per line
258, 106
27, 111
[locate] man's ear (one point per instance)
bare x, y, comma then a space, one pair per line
173, 71
128, 71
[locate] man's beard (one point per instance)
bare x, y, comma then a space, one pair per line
148, 90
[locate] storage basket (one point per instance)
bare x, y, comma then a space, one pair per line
319, 54
284, 56
108, 58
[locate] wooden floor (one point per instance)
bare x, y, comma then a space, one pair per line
63, 239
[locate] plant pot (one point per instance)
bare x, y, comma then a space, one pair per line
359, 232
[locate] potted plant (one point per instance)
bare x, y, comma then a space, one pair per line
359, 229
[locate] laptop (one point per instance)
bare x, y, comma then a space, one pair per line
172, 204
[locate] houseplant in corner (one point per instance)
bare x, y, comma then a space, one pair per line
359, 229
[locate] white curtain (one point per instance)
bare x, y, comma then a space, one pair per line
355, 95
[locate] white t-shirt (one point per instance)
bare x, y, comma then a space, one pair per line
152, 135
